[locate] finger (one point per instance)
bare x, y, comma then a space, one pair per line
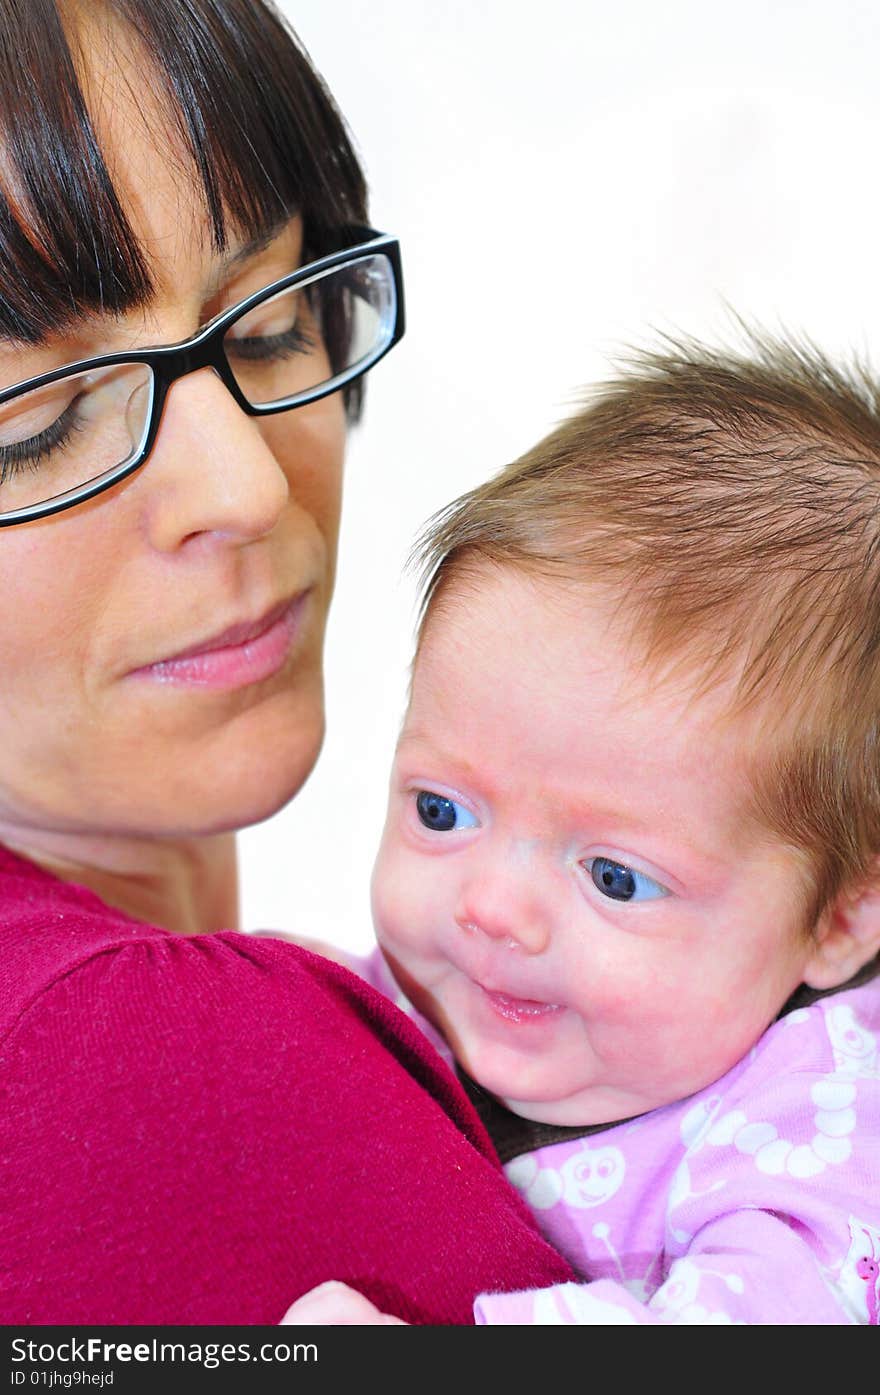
335, 1304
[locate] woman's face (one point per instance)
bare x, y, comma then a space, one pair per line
231, 518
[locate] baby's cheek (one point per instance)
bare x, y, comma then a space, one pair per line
380, 894
393, 899
627, 1011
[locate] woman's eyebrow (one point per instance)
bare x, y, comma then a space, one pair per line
73, 320
258, 243
77, 318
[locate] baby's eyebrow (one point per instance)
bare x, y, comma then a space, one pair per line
421, 737
418, 740
703, 858
411, 735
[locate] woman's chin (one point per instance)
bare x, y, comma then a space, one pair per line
236, 778
258, 782
233, 773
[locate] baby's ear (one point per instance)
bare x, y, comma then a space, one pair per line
848, 935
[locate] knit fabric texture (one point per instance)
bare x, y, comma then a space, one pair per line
200, 1129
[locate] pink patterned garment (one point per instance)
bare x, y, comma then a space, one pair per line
755, 1201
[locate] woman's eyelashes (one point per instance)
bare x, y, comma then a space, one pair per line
619, 882
441, 814
32, 452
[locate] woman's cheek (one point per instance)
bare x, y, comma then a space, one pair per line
310, 446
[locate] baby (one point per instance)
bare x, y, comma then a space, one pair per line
630, 873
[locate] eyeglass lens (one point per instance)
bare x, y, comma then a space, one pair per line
82, 428
59, 437
304, 337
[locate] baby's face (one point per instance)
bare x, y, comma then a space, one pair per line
567, 885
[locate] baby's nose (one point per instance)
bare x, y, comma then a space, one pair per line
505, 909
514, 933
505, 897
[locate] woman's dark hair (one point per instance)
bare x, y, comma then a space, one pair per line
265, 138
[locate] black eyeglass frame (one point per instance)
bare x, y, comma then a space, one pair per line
169, 362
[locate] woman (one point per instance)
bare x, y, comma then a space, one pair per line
198, 1126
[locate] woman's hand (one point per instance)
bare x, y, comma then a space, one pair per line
336, 1305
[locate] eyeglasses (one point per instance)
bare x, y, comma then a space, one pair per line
71, 433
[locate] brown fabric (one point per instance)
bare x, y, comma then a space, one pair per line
513, 1136
804, 996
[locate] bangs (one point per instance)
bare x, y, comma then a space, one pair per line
265, 139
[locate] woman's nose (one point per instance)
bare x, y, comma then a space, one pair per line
210, 470
503, 901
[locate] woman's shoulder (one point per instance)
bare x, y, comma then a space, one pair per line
81, 982
49, 929
373, 969
185, 1118
59, 943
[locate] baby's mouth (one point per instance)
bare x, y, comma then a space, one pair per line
520, 1009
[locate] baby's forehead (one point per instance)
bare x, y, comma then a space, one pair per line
480, 593
554, 737
700, 668
549, 672
564, 650
531, 617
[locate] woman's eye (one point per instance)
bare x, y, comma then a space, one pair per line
441, 814
30, 452
261, 347
621, 883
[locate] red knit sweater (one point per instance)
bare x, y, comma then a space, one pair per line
199, 1129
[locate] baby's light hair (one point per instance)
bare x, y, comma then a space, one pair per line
731, 501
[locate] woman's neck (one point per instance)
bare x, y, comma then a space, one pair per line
187, 886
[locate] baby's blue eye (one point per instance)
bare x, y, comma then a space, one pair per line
622, 883
442, 814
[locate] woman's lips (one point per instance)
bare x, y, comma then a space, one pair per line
233, 665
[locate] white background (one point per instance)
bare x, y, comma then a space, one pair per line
566, 177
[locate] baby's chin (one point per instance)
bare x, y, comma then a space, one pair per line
587, 1109
543, 1112
561, 1115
